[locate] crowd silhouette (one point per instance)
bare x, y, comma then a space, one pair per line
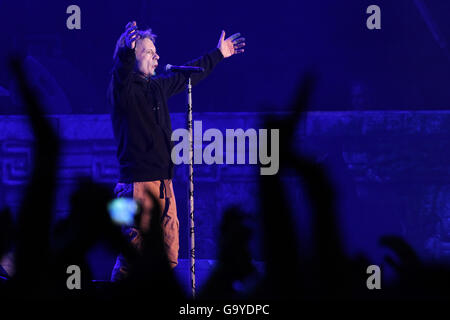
324, 273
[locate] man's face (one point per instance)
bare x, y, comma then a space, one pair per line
146, 57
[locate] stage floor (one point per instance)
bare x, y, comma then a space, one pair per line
203, 269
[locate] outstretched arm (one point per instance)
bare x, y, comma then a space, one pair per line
124, 56
174, 83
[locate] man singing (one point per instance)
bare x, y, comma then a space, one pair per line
142, 126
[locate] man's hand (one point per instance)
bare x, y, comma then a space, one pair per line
131, 34
232, 45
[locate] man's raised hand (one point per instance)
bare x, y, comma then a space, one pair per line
131, 34
232, 45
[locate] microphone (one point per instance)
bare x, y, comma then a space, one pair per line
184, 69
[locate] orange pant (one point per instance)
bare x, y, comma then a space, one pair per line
163, 191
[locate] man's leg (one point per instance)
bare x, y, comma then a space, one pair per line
120, 270
170, 225
163, 192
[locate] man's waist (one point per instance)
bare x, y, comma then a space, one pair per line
128, 174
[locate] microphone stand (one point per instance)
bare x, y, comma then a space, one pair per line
191, 187
187, 71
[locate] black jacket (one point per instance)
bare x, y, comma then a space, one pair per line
140, 116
